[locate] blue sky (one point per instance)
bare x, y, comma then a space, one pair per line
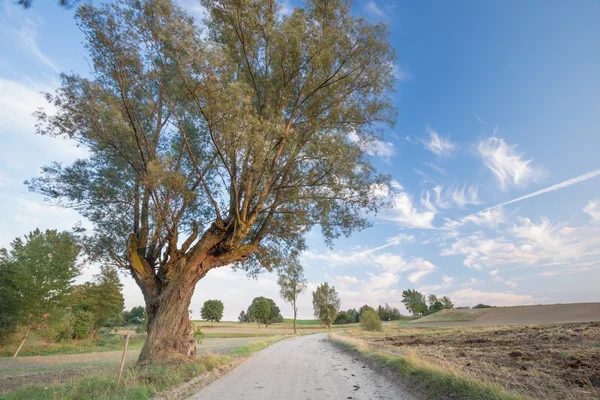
497, 100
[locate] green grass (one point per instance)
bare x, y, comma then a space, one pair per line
229, 335
432, 380
36, 346
452, 315
136, 384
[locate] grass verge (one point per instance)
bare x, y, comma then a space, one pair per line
35, 346
453, 315
136, 384
434, 380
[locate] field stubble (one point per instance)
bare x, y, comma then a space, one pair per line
543, 362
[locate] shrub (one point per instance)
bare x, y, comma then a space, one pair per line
343, 318
370, 321
84, 322
198, 334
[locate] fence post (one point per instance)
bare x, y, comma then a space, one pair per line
123, 358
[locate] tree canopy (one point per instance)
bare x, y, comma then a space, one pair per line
217, 148
264, 310
326, 304
212, 311
291, 283
36, 276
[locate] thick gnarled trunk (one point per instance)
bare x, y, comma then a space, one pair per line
170, 331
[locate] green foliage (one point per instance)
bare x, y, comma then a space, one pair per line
212, 310
447, 304
136, 315
260, 310
198, 334
483, 306
35, 277
343, 318
414, 302
370, 321
83, 324
291, 283
243, 317
103, 298
388, 313
364, 308
326, 304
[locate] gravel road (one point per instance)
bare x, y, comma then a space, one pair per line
304, 368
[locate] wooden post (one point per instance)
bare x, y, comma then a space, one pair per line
22, 343
123, 358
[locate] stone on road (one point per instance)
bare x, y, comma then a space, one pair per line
303, 368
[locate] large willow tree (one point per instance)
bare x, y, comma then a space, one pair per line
217, 146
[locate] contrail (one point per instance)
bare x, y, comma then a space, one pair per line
568, 182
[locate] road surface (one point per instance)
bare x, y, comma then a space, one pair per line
303, 368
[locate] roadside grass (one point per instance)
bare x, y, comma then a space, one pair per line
436, 380
452, 315
136, 384
230, 335
302, 322
39, 346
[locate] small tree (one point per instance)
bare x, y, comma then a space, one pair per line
363, 309
343, 318
291, 283
354, 315
36, 277
260, 310
326, 304
243, 317
414, 302
446, 303
134, 316
212, 311
370, 321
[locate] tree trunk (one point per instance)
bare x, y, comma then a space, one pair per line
22, 343
295, 311
170, 331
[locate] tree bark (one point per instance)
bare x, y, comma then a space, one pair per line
170, 331
295, 311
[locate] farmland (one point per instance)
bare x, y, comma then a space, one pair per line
495, 352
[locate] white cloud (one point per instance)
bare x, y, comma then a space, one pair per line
593, 210
347, 279
407, 214
507, 163
373, 10
447, 282
464, 196
374, 147
489, 218
438, 145
423, 267
471, 297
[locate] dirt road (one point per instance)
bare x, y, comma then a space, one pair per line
305, 368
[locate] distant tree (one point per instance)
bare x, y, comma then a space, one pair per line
483, 306
354, 315
326, 304
370, 321
432, 299
387, 313
135, 316
291, 283
446, 303
463, 308
363, 309
343, 318
212, 311
260, 310
435, 307
243, 317
36, 277
275, 316
414, 302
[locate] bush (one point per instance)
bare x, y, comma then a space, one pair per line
61, 325
84, 322
343, 318
370, 321
198, 334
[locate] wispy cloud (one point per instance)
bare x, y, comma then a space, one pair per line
374, 147
593, 210
438, 145
507, 164
374, 11
561, 185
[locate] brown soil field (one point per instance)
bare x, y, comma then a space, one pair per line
523, 315
20, 371
544, 361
